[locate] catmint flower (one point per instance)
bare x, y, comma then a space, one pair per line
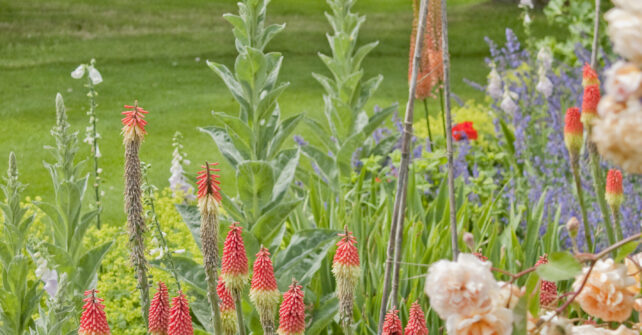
614, 195
292, 311
548, 289
159, 311
416, 321
78, 72
228, 309
392, 324
508, 105
180, 321
573, 132
590, 100
346, 270
93, 320
494, 88
264, 292
234, 269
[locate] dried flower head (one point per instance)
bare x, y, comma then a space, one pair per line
605, 294
292, 311
392, 324
180, 321
134, 123
228, 309
589, 76
159, 311
209, 191
613, 193
234, 269
590, 100
548, 289
93, 320
573, 131
416, 321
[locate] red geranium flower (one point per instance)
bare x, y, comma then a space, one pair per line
464, 130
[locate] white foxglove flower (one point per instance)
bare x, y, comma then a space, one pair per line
78, 72
494, 88
544, 85
95, 76
508, 105
526, 3
48, 276
98, 154
527, 19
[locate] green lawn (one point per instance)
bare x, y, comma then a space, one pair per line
155, 51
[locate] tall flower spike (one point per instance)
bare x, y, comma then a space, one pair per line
292, 311
235, 268
590, 100
228, 309
159, 311
589, 76
209, 198
264, 292
392, 325
416, 321
93, 320
180, 321
573, 132
133, 131
134, 122
614, 195
346, 270
430, 68
548, 289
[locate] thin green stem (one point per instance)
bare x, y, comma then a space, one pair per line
94, 136
239, 312
428, 123
599, 187
580, 199
615, 211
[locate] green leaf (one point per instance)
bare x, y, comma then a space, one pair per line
284, 131
626, 250
520, 316
85, 274
192, 218
272, 220
255, 181
289, 160
561, 266
231, 83
237, 125
323, 316
190, 272
225, 144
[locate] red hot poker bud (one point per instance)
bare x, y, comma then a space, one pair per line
589, 103
416, 321
292, 311
264, 292
614, 195
93, 320
548, 289
228, 309
573, 132
589, 76
234, 269
159, 311
346, 270
209, 191
134, 122
180, 321
392, 324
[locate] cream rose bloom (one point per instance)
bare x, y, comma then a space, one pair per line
606, 293
465, 287
592, 330
498, 321
630, 5
623, 81
555, 325
508, 295
625, 30
618, 134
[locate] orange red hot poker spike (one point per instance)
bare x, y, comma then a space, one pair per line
134, 122
159, 311
208, 183
93, 320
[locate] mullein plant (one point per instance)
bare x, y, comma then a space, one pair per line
416, 321
180, 321
159, 311
133, 134
346, 270
392, 324
292, 311
93, 78
234, 269
229, 324
19, 294
573, 138
93, 320
614, 197
209, 198
264, 292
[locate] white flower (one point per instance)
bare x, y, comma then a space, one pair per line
494, 88
625, 30
630, 5
95, 76
78, 72
555, 325
48, 276
618, 133
526, 3
544, 58
465, 287
623, 80
508, 105
544, 85
179, 251
527, 19
177, 181
98, 155
498, 321
592, 330
509, 295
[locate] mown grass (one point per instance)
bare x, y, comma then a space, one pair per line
155, 51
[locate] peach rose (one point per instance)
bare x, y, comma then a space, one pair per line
498, 321
592, 330
618, 136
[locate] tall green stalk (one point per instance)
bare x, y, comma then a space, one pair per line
580, 199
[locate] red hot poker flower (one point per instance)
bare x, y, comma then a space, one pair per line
548, 289
264, 291
416, 321
573, 131
392, 324
346, 270
614, 195
589, 76
134, 122
93, 320
209, 191
234, 269
589, 103
159, 311
180, 321
292, 311
228, 309
463, 131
